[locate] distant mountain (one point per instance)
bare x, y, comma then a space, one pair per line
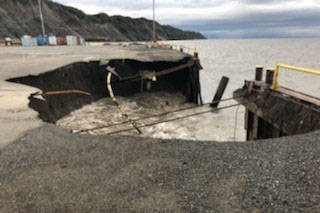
21, 17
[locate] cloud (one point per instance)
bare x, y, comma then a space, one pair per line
286, 19
220, 18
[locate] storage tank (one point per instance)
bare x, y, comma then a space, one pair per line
62, 40
72, 40
81, 41
42, 41
8, 42
52, 40
28, 41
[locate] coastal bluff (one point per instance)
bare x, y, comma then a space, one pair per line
21, 17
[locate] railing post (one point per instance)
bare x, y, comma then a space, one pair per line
270, 76
275, 77
259, 73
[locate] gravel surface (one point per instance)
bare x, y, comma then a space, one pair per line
51, 170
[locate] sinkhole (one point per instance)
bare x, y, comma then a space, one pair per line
76, 97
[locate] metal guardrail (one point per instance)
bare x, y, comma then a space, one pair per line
181, 48
276, 84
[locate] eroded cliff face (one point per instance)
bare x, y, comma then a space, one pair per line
20, 17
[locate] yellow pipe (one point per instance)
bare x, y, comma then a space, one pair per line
300, 69
122, 111
110, 87
276, 84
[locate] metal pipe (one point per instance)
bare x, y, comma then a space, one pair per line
276, 84
300, 69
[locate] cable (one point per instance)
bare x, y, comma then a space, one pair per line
236, 124
158, 73
161, 114
62, 92
174, 119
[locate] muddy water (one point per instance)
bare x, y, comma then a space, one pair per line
99, 118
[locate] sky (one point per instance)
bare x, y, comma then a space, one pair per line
220, 18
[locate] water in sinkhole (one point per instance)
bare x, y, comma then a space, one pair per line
99, 117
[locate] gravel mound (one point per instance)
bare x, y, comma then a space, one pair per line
51, 170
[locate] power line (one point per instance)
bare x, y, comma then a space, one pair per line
236, 124
174, 119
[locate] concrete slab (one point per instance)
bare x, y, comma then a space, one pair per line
15, 115
17, 61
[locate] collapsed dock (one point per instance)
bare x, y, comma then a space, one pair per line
273, 111
44, 167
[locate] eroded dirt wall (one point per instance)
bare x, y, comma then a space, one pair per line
91, 78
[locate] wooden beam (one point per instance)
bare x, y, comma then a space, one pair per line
220, 91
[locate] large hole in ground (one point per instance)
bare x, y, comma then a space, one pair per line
97, 113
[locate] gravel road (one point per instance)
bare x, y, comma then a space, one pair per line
51, 170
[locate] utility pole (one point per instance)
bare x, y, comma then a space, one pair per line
41, 18
154, 37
